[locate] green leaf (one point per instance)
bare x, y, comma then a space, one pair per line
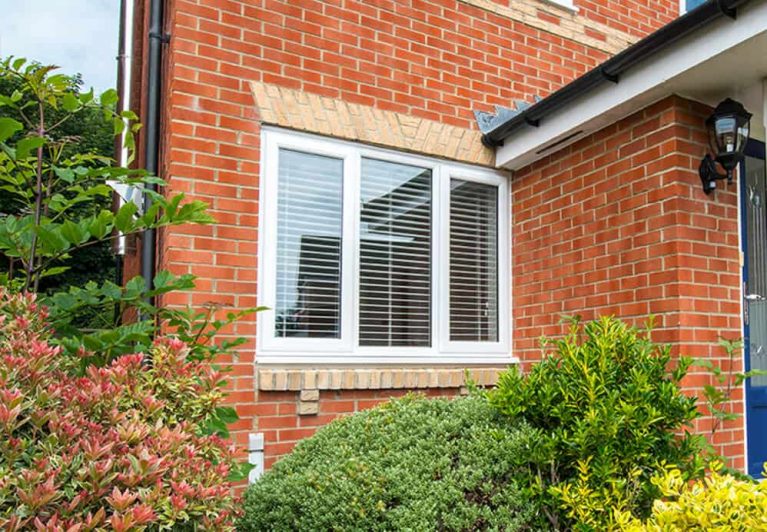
240, 472
54, 271
86, 97
63, 301
117, 126
25, 146
194, 212
51, 239
92, 343
9, 126
129, 115
217, 427
152, 180
73, 232
108, 98
135, 286
70, 103
162, 279
124, 218
169, 282
65, 174
227, 414
101, 224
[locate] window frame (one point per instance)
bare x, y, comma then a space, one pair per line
683, 7
346, 349
567, 4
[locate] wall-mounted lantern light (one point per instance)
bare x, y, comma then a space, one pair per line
728, 130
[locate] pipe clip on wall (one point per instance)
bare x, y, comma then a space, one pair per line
255, 456
162, 37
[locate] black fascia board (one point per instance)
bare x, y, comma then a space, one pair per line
611, 70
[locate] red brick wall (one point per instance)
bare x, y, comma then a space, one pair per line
638, 17
635, 17
437, 60
618, 224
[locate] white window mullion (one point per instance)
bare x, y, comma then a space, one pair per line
267, 291
351, 304
504, 265
442, 259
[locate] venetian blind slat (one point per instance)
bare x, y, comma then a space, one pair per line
395, 255
473, 262
309, 229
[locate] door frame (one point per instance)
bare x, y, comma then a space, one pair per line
756, 149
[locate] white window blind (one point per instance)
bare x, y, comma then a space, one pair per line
309, 231
473, 262
395, 255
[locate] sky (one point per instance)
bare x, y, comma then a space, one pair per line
77, 35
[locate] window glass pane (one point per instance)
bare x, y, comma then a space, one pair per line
395, 255
309, 226
473, 262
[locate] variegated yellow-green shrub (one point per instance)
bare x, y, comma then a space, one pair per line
720, 502
610, 411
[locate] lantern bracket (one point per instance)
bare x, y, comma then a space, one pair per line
709, 175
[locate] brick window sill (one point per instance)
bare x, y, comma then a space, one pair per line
300, 379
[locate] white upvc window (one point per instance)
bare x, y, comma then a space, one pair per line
565, 3
686, 6
371, 256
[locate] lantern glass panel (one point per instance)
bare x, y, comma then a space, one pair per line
726, 133
743, 133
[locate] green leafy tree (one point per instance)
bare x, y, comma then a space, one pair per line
60, 194
56, 180
87, 131
57, 185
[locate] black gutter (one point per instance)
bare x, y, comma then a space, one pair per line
611, 70
156, 39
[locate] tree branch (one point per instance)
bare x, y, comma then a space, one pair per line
38, 205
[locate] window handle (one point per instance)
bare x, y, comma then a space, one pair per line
754, 297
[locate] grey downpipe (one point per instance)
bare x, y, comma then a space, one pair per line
156, 39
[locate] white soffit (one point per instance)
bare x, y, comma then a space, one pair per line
724, 58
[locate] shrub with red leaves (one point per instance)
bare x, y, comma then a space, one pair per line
119, 448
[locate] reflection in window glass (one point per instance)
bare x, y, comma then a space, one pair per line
309, 224
395, 255
473, 262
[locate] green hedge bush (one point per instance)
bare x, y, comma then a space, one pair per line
611, 414
411, 464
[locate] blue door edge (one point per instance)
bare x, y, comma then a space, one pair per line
755, 149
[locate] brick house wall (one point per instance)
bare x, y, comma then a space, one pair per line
617, 224
404, 74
